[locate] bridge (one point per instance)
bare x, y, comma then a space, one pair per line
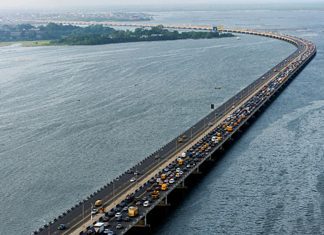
168, 171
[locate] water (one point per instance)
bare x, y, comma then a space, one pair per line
73, 118
272, 180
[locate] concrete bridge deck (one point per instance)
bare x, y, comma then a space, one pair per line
236, 112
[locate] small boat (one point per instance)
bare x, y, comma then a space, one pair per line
218, 88
238, 38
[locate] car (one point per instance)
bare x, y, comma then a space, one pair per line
105, 219
118, 214
126, 219
178, 169
146, 203
181, 172
94, 211
150, 189
110, 213
119, 219
118, 209
108, 231
171, 181
123, 203
119, 226
62, 227
166, 169
132, 179
125, 209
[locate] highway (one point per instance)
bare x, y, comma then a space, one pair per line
199, 143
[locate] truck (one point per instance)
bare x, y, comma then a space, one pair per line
99, 227
132, 211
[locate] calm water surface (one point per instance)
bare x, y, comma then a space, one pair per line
73, 118
272, 180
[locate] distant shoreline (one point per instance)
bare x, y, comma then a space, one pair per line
58, 34
47, 43
27, 43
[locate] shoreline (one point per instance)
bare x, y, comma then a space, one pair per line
49, 43
27, 43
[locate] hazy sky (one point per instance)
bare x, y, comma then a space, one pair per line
76, 3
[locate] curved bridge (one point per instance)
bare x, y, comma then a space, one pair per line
197, 148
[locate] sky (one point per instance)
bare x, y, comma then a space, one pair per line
80, 3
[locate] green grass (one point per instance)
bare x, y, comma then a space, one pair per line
28, 43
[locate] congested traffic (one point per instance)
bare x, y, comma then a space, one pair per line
146, 194
140, 202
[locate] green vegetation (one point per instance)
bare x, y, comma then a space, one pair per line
27, 43
58, 34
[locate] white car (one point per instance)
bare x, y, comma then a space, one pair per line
94, 211
118, 214
146, 204
133, 179
171, 181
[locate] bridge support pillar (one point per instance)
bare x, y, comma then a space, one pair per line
197, 171
182, 185
142, 227
164, 202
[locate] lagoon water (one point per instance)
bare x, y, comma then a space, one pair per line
73, 118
